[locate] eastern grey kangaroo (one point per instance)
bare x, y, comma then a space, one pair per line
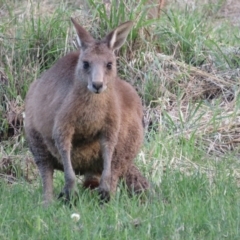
81, 118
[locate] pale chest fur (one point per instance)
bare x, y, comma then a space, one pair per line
89, 125
89, 122
92, 115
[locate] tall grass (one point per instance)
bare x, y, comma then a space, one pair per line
192, 35
30, 44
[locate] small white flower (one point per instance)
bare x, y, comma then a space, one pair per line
75, 217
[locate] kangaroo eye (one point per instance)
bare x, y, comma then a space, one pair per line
86, 65
109, 65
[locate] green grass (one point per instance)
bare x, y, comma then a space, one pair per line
194, 206
184, 66
191, 37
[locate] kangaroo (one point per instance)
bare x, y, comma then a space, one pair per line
81, 118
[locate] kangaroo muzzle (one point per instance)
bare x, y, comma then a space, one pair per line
96, 83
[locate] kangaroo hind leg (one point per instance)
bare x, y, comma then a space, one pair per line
43, 160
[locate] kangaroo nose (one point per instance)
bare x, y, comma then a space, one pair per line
97, 85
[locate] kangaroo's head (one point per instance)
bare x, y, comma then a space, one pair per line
97, 61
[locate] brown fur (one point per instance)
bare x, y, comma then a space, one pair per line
86, 122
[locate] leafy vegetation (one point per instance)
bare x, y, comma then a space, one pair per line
185, 66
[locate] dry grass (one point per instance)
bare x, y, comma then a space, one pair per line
216, 123
15, 167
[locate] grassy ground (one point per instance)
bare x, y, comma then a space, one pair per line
183, 207
185, 66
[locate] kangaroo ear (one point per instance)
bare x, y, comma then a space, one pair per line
117, 37
83, 37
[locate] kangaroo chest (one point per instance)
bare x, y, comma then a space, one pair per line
86, 154
91, 115
89, 125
